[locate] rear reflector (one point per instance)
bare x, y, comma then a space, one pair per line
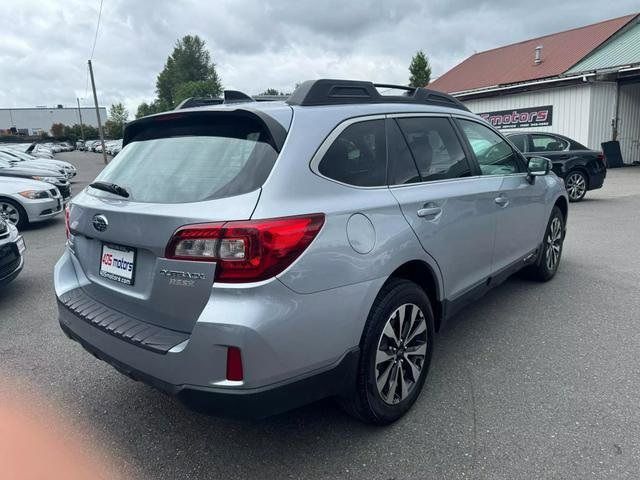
234, 364
246, 251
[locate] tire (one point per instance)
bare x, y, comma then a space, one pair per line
548, 261
13, 212
577, 185
396, 358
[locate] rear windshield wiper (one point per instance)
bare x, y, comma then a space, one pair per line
111, 188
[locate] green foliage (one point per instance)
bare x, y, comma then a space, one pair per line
420, 70
145, 109
188, 72
118, 116
57, 130
272, 91
188, 68
196, 88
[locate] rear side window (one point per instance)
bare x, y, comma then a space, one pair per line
402, 167
548, 143
435, 148
358, 156
181, 163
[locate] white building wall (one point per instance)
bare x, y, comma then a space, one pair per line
571, 108
629, 122
35, 119
602, 112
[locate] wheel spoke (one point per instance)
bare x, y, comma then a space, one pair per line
404, 391
383, 356
390, 333
393, 383
383, 378
415, 370
420, 349
420, 328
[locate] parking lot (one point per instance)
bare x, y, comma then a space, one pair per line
533, 381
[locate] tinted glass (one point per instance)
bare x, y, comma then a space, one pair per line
220, 159
520, 141
358, 156
548, 143
495, 156
402, 168
435, 148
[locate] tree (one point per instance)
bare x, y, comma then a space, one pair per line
118, 116
145, 109
188, 69
57, 130
420, 70
271, 91
197, 88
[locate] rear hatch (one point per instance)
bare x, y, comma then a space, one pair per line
176, 169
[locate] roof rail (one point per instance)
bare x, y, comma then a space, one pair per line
342, 92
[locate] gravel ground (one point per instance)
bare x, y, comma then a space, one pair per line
533, 381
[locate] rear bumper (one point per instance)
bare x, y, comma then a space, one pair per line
597, 180
296, 348
247, 403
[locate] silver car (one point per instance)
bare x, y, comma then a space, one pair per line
253, 257
12, 250
24, 201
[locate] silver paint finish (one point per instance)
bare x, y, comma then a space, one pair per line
314, 312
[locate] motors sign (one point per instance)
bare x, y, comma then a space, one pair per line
521, 117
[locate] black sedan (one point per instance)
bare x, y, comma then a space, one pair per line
582, 169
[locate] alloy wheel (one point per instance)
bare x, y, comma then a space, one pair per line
576, 186
554, 244
9, 213
401, 353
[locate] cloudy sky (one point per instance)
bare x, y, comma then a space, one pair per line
257, 44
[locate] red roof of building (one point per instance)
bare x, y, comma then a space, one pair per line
515, 63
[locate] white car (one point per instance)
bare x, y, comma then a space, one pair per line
12, 250
16, 156
24, 201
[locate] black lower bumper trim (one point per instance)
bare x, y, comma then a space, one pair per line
247, 403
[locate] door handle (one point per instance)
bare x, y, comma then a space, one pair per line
429, 212
502, 200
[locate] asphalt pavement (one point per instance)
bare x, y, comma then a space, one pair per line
533, 381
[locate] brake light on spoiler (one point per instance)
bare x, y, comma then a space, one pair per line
248, 250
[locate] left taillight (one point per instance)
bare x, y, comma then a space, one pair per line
602, 158
246, 251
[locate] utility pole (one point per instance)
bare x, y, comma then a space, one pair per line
95, 100
81, 125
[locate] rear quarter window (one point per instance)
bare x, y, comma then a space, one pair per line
358, 155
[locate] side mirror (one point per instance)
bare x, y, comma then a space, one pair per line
537, 167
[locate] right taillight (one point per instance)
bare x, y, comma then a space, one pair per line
602, 158
246, 251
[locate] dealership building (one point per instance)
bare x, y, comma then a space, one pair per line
583, 83
33, 121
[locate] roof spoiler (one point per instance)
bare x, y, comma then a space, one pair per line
344, 92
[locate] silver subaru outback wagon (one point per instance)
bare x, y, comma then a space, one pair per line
252, 257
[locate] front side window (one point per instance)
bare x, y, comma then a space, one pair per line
494, 155
435, 148
548, 143
358, 156
520, 141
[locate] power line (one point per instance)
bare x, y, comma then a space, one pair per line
95, 38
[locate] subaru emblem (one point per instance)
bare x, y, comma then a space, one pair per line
100, 223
